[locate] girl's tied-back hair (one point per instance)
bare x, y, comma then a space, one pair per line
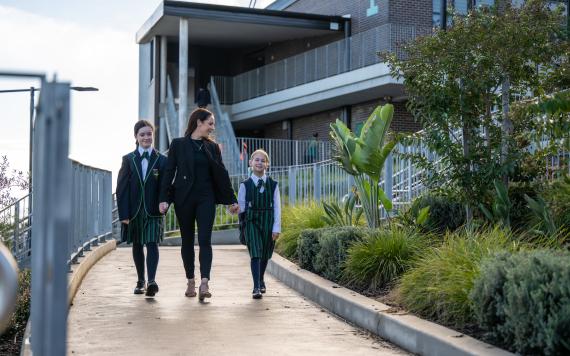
198, 114
139, 125
261, 152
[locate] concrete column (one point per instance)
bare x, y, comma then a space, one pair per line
347, 40
162, 130
183, 77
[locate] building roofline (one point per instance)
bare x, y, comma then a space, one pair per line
236, 14
280, 4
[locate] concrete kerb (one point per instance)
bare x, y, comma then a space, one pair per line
409, 332
79, 272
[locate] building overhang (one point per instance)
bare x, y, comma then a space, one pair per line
231, 26
357, 86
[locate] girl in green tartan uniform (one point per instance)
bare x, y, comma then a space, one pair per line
259, 197
138, 185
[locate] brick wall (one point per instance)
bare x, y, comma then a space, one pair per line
401, 122
356, 8
304, 127
275, 130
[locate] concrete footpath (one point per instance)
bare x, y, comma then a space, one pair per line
106, 318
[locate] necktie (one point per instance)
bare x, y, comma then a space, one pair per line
145, 155
260, 185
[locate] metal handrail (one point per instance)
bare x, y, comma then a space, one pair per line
8, 287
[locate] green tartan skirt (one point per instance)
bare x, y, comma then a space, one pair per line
144, 229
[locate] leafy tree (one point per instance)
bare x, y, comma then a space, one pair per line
8, 181
454, 80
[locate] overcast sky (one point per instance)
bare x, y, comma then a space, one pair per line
89, 43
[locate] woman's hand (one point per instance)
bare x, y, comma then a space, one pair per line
275, 236
234, 208
126, 221
163, 207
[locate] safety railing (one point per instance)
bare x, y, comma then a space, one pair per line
15, 229
335, 58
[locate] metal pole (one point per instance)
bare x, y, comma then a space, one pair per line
443, 11
52, 221
183, 77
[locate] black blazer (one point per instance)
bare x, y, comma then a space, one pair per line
131, 184
179, 173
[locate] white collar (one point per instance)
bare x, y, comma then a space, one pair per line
256, 178
142, 150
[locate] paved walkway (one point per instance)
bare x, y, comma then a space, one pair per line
106, 318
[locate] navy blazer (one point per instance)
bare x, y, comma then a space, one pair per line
179, 173
131, 185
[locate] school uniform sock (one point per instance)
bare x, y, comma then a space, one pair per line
263, 266
151, 259
138, 258
255, 272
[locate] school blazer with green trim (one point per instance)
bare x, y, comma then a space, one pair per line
179, 173
135, 192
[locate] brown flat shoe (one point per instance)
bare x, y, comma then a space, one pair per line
190, 288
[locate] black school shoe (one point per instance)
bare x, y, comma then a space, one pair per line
256, 294
262, 289
151, 289
139, 289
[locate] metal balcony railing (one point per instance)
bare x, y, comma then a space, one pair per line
355, 52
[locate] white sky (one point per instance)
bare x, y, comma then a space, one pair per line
89, 43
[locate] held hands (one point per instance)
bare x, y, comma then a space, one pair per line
163, 207
233, 209
126, 221
275, 236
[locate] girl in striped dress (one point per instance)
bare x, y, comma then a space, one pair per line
138, 186
259, 197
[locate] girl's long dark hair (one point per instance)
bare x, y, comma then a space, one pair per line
139, 125
198, 114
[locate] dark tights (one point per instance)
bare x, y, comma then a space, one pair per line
151, 259
201, 212
258, 267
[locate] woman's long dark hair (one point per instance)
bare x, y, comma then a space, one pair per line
198, 114
139, 125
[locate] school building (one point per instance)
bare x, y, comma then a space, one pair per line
283, 72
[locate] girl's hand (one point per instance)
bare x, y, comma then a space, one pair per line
125, 221
275, 236
163, 207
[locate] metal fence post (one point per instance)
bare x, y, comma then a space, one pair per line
16, 232
52, 216
388, 176
292, 185
317, 182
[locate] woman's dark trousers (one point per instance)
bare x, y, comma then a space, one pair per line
197, 211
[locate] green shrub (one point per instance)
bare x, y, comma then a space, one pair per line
11, 340
438, 286
523, 301
445, 212
293, 220
519, 210
381, 258
307, 248
557, 194
333, 246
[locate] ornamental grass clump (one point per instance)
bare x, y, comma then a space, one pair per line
333, 246
438, 286
294, 220
381, 257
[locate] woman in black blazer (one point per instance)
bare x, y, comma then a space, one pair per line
197, 179
138, 186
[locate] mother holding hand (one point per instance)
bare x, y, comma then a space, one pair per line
196, 179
